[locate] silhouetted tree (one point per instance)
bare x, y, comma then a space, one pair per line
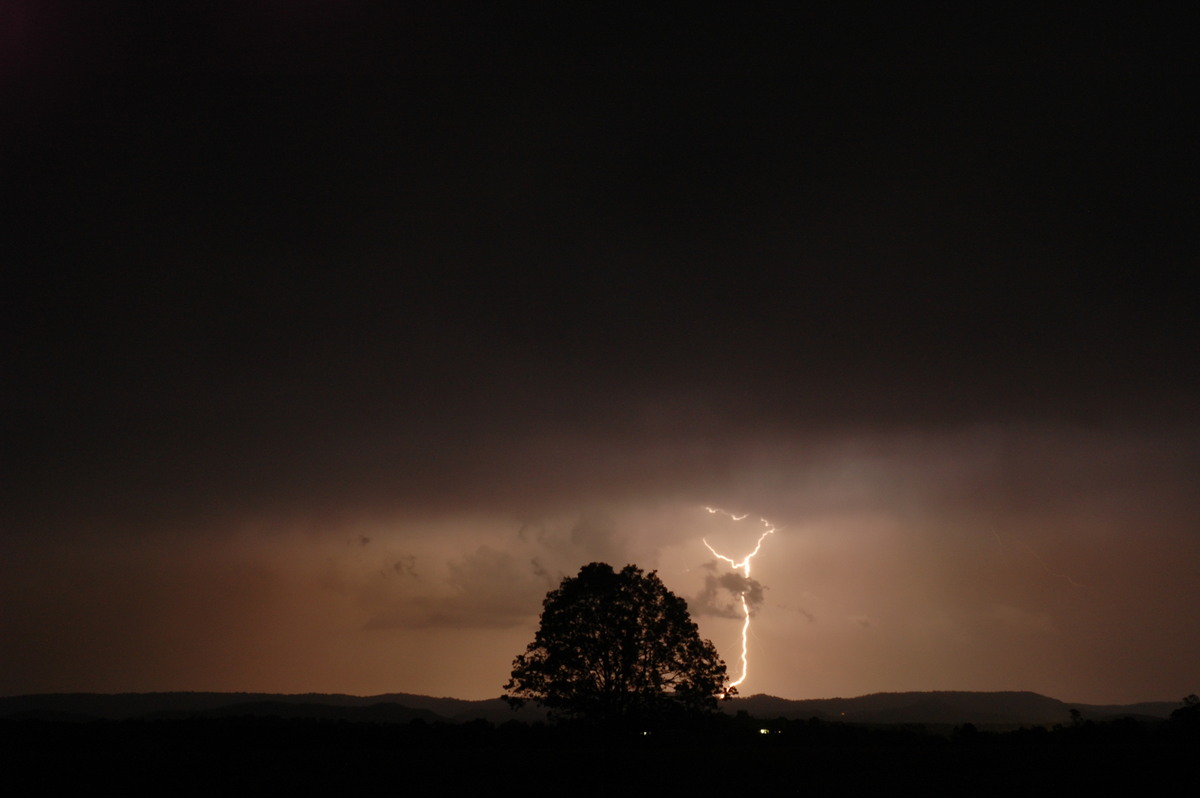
1187, 717
614, 647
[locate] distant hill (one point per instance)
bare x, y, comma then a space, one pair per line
949, 707
495, 710
945, 707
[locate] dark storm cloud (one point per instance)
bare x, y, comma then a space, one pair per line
495, 585
483, 589
841, 291
722, 595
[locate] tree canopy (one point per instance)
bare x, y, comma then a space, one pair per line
616, 646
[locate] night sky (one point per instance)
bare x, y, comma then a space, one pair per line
334, 338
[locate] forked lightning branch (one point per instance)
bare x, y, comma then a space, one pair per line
744, 566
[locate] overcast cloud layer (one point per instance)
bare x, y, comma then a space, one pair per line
331, 346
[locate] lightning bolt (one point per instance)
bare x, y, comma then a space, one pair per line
744, 565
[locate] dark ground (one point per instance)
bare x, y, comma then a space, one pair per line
271, 756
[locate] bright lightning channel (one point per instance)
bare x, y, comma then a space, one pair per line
744, 565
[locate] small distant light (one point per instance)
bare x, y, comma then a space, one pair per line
764, 731
645, 734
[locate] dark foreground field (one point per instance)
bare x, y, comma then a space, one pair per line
271, 756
